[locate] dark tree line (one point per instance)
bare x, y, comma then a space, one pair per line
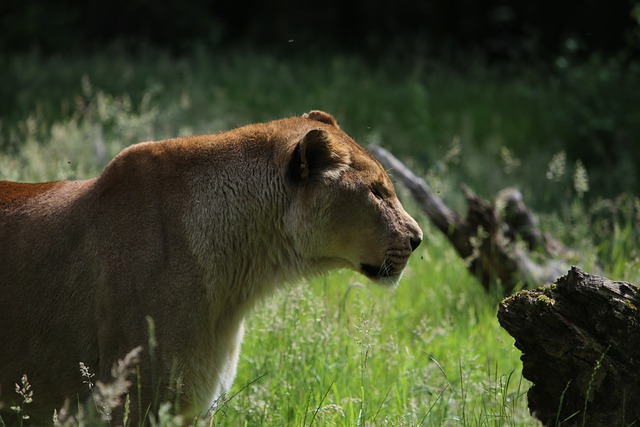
501, 28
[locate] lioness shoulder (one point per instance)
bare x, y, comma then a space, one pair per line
191, 233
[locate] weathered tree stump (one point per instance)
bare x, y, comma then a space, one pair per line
487, 238
580, 340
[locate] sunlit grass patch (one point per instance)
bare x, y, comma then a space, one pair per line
348, 353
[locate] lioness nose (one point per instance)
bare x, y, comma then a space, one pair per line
415, 242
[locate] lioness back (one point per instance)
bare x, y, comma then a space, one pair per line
188, 233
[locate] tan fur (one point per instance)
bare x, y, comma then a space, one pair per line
191, 232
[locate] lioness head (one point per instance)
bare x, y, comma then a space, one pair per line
349, 198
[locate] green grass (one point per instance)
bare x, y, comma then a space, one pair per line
428, 353
335, 351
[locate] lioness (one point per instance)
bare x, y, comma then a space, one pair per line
191, 232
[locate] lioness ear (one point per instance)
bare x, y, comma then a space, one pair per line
321, 117
318, 155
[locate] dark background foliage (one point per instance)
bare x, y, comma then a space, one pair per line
500, 28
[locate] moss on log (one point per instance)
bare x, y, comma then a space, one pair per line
580, 340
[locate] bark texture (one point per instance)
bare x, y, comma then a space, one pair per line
580, 340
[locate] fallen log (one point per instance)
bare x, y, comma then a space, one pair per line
580, 340
488, 237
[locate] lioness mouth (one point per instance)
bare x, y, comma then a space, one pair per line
374, 272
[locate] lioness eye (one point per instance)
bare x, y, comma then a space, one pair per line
376, 193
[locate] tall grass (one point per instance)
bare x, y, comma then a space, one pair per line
345, 353
336, 351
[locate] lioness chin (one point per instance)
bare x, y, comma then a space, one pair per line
190, 232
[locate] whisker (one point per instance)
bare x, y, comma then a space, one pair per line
385, 268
